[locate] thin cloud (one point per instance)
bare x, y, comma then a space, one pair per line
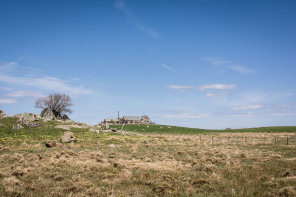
209, 94
217, 86
247, 107
24, 93
180, 87
215, 61
120, 5
186, 116
7, 101
45, 83
241, 69
264, 115
213, 87
171, 69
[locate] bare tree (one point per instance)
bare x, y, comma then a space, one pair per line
59, 104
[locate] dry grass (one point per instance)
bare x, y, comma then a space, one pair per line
151, 165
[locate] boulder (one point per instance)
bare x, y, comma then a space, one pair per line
29, 116
3, 114
47, 114
17, 127
50, 144
29, 119
65, 117
68, 137
31, 124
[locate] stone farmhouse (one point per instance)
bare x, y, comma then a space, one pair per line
128, 120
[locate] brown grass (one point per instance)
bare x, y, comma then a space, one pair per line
164, 165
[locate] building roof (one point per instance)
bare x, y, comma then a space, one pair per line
132, 118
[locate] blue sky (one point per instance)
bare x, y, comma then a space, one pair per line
197, 63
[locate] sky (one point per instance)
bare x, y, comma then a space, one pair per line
211, 64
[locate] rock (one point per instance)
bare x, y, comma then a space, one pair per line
112, 146
47, 114
107, 126
94, 130
33, 124
17, 127
29, 123
54, 144
3, 114
48, 145
114, 130
28, 116
29, 119
65, 117
68, 137
145, 141
69, 121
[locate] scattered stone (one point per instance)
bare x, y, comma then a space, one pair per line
47, 114
112, 146
2, 125
114, 130
145, 141
3, 114
17, 127
68, 137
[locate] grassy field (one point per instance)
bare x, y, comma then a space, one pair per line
157, 162
165, 129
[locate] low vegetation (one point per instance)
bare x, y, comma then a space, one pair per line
165, 129
152, 162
